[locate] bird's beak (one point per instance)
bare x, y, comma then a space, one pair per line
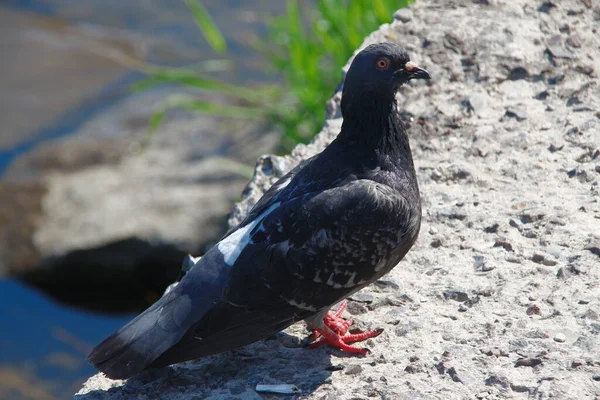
413, 71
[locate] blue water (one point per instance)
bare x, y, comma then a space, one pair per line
36, 331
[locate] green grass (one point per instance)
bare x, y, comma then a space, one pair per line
307, 50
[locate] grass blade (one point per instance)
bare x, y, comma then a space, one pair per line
211, 32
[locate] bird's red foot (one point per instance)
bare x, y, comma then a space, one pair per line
335, 333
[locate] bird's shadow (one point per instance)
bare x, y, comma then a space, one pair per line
279, 359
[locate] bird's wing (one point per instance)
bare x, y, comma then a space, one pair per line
296, 258
273, 193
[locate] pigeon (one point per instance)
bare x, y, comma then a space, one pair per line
331, 226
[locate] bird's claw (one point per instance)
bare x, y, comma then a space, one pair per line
336, 333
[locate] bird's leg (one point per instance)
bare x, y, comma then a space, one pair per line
334, 331
335, 322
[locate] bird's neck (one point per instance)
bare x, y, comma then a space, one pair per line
372, 124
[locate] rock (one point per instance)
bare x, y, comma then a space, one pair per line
518, 73
480, 264
97, 214
528, 362
404, 15
560, 338
504, 244
517, 113
492, 228
455, 295
353, 369
542, 259
435, 243
468, 48
557, 52
533, 309
594, 246
362, 297
355, 308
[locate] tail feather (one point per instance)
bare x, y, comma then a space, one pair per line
135, 346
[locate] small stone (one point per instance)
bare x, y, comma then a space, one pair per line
411, 369
546, 6
541, 259
585, 69
521, 388
475, 103
353, 369
574, 41
500, 242
433, 230
517, 113
355, 308
591, 314
536, 334
518, 73
492, 228
594, 247
527, 362
560, 338
554, 148
543, 95
362, 298
386, 284
435, 243
404, 15
533, 310
455, 295
556, 51
479, 263
576, 363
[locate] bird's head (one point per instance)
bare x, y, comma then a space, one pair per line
381, 69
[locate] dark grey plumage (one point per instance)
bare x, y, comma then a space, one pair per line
331, 226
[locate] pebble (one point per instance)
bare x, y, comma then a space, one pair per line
355, 308
517, 113
455, 295
404, 15
558, 52
541, 259
435, 243
353, 369
591, 314
362, 298
560, 338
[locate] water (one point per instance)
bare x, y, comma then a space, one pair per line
43, 344
55, 76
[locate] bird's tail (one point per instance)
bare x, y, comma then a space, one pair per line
135, 346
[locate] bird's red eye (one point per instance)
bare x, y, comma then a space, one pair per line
382, 63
